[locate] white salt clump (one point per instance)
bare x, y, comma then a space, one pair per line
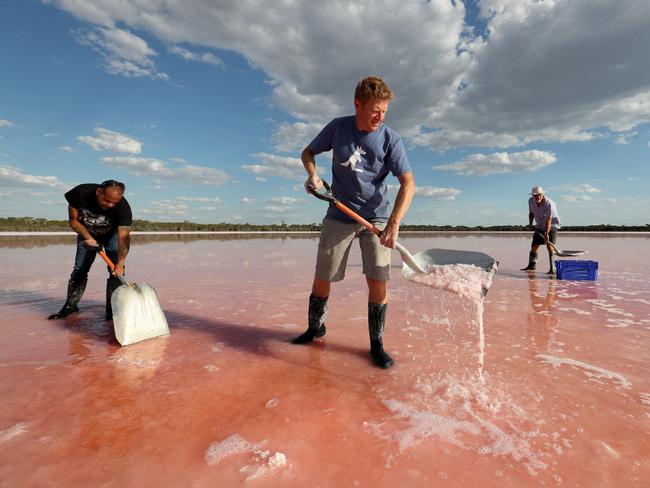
273, 402
463, 279
13, 431
264, 464
233, 444
278, 460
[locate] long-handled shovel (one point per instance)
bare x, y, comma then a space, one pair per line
136, 310
422, 261
564, 253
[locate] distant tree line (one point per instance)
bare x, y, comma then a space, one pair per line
31, 224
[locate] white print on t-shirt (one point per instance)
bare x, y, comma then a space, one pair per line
354, 159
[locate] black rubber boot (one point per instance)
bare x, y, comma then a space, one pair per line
75, 292
376, 321
532, 262
112, 284
316, 319
551, 260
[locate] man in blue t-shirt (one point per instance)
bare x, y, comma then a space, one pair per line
100, 215
364, 153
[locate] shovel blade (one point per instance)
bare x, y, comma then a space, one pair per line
440, 257
137, 315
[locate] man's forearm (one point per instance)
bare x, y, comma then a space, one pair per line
308, 161
402, 201
80, 229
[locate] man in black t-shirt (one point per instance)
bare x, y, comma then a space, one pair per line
100, 215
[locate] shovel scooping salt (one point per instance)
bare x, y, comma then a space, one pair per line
466, 273
137, 315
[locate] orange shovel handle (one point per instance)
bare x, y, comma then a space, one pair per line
358, 218
110, 264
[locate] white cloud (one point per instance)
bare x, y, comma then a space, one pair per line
283, 200
575, 199
108, 140
124, 53
580, 188
198, 175
67, 148
611, 200
247, 200
548, 71
501, 162
178, 160
205, 57
436, 193
275, 209
12, 176
272, 165
6, 123
51, 134
625, 138
165, 207
294, 137
199, 199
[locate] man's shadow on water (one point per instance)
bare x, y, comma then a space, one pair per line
241, 336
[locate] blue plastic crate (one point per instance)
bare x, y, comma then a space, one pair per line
575, 269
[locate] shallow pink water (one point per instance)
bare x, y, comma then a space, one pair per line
562, 397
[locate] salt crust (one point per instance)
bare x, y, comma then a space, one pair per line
13, 431
596, 371
262, 462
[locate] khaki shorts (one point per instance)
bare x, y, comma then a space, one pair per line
336, 238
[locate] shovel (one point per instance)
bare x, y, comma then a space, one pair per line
421, 262
137, 315
564, 253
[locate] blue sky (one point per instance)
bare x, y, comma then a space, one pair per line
202, 106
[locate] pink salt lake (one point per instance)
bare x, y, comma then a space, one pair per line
556, 393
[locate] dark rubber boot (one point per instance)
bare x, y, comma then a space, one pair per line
551, 260
75, 292
316, 320
376, 321
112, 284
532, 262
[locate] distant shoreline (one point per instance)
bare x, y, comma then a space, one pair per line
315, 232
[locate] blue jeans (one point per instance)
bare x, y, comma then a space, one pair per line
85, 257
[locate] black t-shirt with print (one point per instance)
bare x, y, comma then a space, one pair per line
99, 222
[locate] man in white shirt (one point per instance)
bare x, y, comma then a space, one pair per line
547, 222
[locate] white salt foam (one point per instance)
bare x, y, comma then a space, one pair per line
233, 444
598, 372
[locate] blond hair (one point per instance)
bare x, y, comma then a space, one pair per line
372, 87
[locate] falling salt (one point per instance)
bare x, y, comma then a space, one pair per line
466, 280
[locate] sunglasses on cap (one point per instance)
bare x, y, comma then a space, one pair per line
111, 183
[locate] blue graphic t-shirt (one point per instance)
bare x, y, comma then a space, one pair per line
361, 162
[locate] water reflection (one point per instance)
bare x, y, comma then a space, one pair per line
542, 321
32, 241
